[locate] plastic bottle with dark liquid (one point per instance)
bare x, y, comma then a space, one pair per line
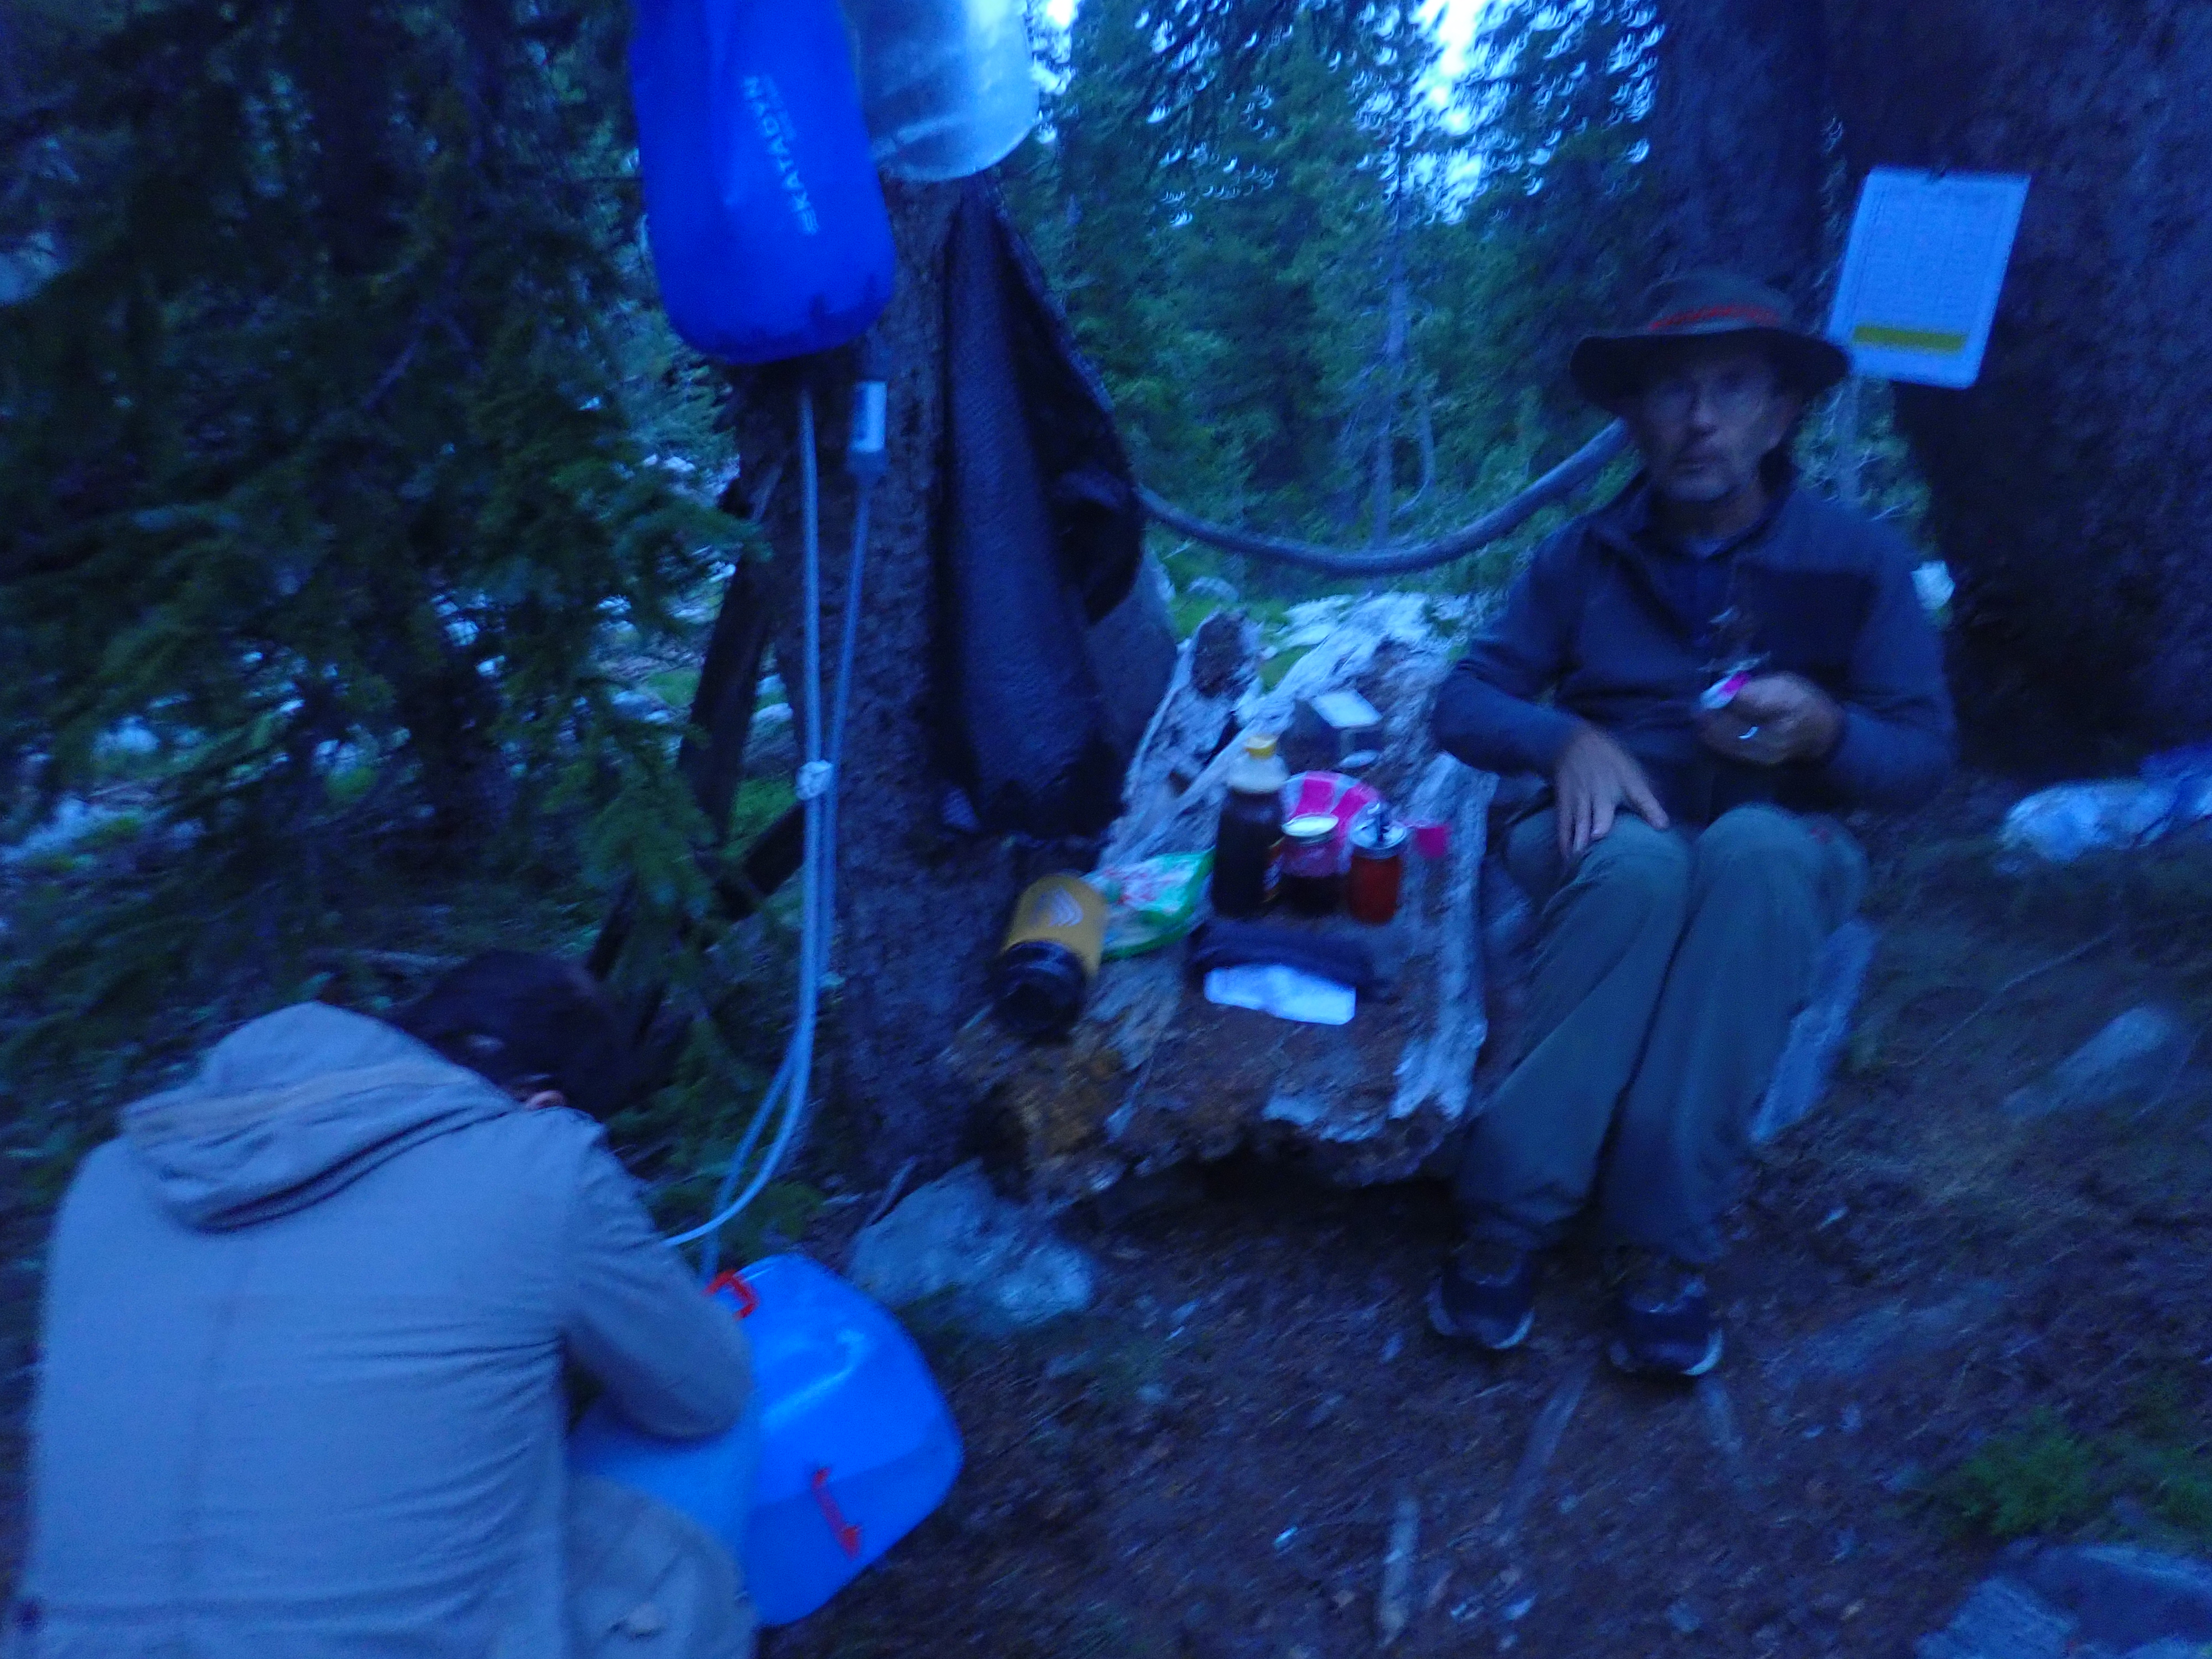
1248, 848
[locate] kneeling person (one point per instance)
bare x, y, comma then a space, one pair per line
1726, 659
305, 1324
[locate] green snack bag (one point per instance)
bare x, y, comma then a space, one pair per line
1152, 902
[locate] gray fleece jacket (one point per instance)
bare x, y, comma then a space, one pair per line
305, 1321
1610, 625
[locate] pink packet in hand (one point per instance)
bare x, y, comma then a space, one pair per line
1722, 691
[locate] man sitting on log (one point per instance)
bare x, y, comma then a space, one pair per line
1726, 658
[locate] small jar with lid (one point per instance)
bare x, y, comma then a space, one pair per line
1377, 874
1313, 883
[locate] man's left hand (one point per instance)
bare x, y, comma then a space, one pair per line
1774, 719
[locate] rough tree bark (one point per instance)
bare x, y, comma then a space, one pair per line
1736, 125
2073, 486
919, 908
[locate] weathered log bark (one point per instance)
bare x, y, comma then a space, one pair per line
1153, 1074
2073, 486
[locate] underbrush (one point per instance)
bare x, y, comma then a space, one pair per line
125, 953
2150, 1473
1986, 978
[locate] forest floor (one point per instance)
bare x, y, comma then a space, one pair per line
1945, 1326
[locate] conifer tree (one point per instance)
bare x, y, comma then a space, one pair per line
1558, 237
317, 465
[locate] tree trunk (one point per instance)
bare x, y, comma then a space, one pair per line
2073, 485
1398, 306
341, 58
919, 908
1736, 132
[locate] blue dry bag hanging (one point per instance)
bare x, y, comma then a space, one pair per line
766, 219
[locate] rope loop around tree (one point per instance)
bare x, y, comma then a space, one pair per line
1562, 480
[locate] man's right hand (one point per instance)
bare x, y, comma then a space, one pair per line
1595, 778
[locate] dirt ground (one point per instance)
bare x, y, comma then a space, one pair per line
1210, 1462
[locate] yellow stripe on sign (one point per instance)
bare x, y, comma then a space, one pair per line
1908, 339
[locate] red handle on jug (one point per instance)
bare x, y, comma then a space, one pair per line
732, 1279
849, 1535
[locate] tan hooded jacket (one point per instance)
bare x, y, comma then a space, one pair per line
300, 1395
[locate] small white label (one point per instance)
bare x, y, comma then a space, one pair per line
870, 401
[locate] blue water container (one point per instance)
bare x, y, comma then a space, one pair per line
850, 1442
761, 203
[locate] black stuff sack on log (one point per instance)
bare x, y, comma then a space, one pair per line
1218, 942
1040, 536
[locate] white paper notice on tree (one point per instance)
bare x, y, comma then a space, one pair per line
1922, 271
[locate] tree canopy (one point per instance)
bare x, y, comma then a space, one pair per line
342, 451
358, 510
1330, 286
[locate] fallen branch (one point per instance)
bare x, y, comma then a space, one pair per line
405, 964
890, 1195
1395, 1605
2012, 985
1543, 1444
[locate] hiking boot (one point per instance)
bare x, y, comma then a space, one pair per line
1665, 1323
1485, 1295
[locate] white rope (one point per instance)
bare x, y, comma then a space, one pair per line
817, 865
797, 1071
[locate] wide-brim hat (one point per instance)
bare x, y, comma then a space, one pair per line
1610, 369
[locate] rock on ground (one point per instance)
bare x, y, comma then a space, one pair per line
2001, 1621
1003, 1267
1817, 1035
2125, 1596
1887, 1336
2135, 1060
2083, 1601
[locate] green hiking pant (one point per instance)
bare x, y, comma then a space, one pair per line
1668, 967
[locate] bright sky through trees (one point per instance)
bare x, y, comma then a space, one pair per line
1456, 28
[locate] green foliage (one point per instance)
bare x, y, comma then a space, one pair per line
760, 802
340, 445
2046, 1478
1331, 291
1558, 239
1231, 273
2042, 1478
1273, 671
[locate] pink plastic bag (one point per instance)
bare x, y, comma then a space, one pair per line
1342, 798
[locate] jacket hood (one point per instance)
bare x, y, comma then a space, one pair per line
289, 1109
